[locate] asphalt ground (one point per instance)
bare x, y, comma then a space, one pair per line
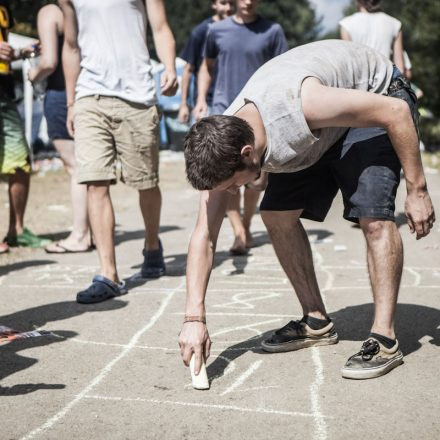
113, 370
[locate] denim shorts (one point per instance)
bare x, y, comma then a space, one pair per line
363, 165
55, 112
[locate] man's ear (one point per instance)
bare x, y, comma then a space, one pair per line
247, 152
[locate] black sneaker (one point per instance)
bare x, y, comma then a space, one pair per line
154, 264
297, 334
373, 360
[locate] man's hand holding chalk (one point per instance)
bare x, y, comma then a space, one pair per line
194, 339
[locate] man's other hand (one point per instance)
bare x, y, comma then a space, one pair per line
419, 212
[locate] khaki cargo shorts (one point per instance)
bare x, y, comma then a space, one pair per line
109, 130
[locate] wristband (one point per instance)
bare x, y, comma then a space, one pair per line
194, 318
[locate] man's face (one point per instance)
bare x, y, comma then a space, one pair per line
247, 8
223, 8
240, 178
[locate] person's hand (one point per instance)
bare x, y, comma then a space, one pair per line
32, 49
419, 212
6, 51
200, 110
69, 121
168, 83
194, 338
183, 114
32, 74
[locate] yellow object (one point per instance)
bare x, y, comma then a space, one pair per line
5, 68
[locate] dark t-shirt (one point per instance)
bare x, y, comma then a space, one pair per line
240, 49
6, 23
192, 52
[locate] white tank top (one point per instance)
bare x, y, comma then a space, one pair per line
112, 37
374, 29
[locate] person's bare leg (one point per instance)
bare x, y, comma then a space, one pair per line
294, 253
18, 192
385, 263
79, 238
150, 201
251, 198
233, 212
102, 222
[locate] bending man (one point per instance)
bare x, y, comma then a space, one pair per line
291, 120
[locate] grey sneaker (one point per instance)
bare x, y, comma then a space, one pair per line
373, 360
297, 334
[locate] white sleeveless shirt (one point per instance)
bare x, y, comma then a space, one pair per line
112, 37
375, 29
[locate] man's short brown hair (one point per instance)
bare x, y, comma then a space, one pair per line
213, 150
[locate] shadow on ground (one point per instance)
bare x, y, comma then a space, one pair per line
413, 322
4, 270
36, 318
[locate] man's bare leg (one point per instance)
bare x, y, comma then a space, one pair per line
102, 222
18, 190
80, 237
385, 263
294, 253
150, 201
251, 198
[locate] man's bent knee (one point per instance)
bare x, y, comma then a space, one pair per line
376, 229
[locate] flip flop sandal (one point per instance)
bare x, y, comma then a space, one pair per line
101, 289
58, 248
4, 248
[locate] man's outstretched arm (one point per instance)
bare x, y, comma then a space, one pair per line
194, 337
355, 108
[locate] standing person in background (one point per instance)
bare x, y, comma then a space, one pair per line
14, 151
374, 28
110, 87
192, 53
50, 30
253, 40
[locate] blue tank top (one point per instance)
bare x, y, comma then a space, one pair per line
56, 80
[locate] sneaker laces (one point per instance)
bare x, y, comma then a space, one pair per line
369, 349
289, 327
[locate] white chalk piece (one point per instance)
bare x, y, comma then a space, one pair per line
199, 382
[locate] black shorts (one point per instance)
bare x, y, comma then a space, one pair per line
362, 164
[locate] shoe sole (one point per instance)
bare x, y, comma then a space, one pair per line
299, 344
371, 373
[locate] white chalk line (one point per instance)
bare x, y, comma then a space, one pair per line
320, 432
149, 347
205, 405
245, 327
104, 371
136, 291
265, 315
416, 274
243, 377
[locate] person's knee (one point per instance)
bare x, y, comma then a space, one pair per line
377, 229
98, 188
